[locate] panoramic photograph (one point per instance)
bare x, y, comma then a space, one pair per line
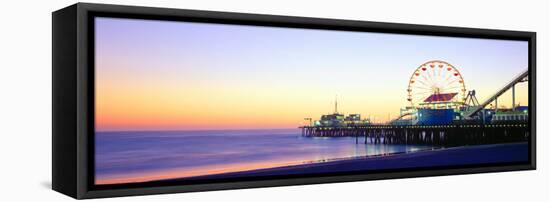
185, 101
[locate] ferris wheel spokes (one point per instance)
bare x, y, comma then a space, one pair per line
435, 78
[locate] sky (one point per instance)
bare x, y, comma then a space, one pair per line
166, 75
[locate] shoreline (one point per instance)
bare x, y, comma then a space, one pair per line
463, 155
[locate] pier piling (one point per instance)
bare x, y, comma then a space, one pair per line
438, 135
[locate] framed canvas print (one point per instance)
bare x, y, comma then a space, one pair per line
155, 100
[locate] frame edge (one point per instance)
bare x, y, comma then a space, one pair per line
64, 145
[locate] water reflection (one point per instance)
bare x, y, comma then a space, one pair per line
143, 156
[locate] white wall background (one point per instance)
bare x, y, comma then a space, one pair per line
25, 102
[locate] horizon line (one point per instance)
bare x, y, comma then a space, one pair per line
181, 130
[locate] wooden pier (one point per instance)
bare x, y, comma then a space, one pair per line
438, 135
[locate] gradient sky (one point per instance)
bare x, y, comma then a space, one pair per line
162, 75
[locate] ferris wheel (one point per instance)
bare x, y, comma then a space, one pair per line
434, 78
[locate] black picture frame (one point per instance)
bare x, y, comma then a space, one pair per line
73, 98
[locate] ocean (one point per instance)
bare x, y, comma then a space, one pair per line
126, 157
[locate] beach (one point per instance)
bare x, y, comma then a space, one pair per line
124, 157
465, 155
133, 157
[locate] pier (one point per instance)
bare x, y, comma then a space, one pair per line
443, 115
437, 135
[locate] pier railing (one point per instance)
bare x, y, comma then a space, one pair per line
437, 135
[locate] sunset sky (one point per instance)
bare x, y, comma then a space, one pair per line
162, 75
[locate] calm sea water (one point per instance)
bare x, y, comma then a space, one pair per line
122, 157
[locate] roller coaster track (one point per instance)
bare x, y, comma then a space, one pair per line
519, 78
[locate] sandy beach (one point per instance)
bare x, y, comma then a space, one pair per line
466, 155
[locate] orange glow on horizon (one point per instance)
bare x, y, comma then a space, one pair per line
127, 103
188, 76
